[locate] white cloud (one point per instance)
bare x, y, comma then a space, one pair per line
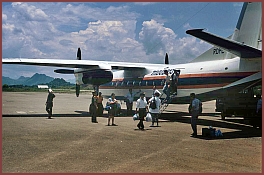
144, 3
158, 40
29, 12
155, 36
187, 26
4, 17
105, 34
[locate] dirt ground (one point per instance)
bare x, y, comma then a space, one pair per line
71, 143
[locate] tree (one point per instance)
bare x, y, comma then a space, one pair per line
5, 86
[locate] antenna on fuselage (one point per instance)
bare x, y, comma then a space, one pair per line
166, 59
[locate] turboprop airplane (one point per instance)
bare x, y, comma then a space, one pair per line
232, 65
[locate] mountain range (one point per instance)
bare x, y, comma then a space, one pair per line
36, 79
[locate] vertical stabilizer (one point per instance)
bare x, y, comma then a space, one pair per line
248, 31
249, 26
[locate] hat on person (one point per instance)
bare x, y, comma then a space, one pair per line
157, 92
50, 90
142, 94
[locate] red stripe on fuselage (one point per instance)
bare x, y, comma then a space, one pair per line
160, 87
228, 74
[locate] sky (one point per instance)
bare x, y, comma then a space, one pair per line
109, 31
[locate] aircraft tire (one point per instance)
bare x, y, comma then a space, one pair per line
223, 115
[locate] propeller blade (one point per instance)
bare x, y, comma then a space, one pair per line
77, 90
166, 59
79, 55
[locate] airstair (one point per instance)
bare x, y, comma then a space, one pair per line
165, 103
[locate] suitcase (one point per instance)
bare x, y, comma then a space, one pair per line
206, 132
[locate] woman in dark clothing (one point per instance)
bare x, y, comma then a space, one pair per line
49, 103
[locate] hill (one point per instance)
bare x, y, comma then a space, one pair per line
28, 81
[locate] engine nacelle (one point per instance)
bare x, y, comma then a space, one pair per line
94, 77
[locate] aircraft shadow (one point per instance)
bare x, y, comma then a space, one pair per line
45, 115
242, 129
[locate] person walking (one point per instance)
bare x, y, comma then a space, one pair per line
49, 103
141, 109
112, 102
93, 107
194, 109
155, 111
100, 109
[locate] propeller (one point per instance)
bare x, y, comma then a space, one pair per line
79, 57
78, 87
166, 59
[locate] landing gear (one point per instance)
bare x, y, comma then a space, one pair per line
223, 115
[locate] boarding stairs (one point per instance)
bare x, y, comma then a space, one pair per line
165, 103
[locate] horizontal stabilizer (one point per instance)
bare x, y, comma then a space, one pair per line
255, 77
237, 48
64, 71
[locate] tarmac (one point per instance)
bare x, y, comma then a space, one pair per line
71, 143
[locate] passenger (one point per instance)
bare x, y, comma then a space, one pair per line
118, 110
49, 103
153, 91
166, 89
174, 81
100, 105
155, 112
112, 102
194, 109
259, 106
141, 109
129, 101
93, 107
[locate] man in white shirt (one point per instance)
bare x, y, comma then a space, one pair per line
129, 101
141, 109
155, 112
194, 110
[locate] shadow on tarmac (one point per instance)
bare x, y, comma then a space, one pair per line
243, 130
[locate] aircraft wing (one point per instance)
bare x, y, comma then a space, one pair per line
237, 48
86, 64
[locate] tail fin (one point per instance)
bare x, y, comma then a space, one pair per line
248, 32
249, 27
